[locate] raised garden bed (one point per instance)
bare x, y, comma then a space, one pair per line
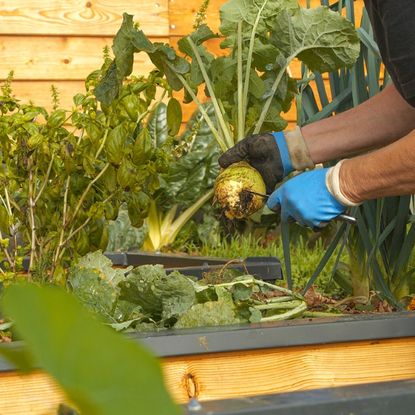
240, 361
381, 398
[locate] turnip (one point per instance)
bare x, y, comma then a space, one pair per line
238, 190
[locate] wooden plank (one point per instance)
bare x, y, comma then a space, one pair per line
74, 17
39, 92
183, 12
248, 373
33, 394
64, 58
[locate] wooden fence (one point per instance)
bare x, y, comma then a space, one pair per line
60, 42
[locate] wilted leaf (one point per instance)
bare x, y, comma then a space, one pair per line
210, 313
160, 296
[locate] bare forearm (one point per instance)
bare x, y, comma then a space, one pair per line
389, 171
377, 122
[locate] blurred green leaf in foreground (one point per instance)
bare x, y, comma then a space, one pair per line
102, 372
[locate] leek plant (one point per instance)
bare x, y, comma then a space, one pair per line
381, 244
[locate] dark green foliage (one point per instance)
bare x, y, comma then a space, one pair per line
65, 173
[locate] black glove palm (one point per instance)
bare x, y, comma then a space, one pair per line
262, 153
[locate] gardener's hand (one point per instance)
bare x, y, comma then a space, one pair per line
274, 155
306, 199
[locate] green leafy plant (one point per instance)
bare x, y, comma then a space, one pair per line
64, 174
101, 372
249, 87
186, 186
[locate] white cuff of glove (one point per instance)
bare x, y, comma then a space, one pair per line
333, 185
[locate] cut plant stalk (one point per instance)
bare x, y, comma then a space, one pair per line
163, 230
219, 115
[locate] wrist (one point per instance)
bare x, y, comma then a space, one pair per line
338, 187
298, 150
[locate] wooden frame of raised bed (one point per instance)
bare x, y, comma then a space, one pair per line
237, 361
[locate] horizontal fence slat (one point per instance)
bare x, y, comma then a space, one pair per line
75, 17
183, 12
39, 92
54, 58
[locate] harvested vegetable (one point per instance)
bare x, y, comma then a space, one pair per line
238, 189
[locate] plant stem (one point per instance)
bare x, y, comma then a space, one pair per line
64, 225
46, 179
79, 228
279, 306
31, 196
241, 119
273, 90
104, 140
249, 60
209, 122
296, 312
88, 188
218, 112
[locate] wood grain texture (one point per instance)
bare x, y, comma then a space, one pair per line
248, 373
34, 394
182, 14
229, 375
81, 17
39, 92
59, 58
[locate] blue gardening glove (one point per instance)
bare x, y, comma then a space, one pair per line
267, 153
306, 199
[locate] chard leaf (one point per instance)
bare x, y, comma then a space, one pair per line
195, 172
319, 37
157, 125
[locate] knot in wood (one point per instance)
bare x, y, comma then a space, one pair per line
191, 385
